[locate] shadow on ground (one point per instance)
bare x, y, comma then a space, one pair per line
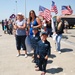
52, 56
0, 35
49, 61
22, 54
64, 37
72, 35
66, 50
55, 70
30, 54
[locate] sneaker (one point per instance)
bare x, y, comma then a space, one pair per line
25, 55
28, 53
59, 52
18, 55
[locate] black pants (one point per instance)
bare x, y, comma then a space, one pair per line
35, 57
10, 31
7, 29
2, 27
20, 42
42, 64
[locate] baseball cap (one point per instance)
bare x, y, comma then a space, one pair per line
43, 33
35, 28
20, 14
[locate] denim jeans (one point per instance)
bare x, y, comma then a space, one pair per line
58, 39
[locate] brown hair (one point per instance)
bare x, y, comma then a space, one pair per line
30, 18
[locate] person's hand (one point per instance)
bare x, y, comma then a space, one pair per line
33, 26
27, 33
54, 32
18, 27
38, 56
15, 27
46, 57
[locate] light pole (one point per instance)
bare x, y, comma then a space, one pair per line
25, 8
16, 6
13, 11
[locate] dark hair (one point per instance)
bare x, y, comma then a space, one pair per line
30, 18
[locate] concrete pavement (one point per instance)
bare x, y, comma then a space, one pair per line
58, 64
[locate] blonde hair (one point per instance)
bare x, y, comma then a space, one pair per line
59, 25
60, 22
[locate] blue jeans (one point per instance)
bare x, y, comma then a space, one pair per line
58, 39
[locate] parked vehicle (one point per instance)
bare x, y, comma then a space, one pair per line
70, 19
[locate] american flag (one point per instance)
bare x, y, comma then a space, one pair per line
54, 7
66, 10
45, 13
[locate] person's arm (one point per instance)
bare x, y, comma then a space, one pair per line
14, 26
28, 24
37, 51
39, 23
22, 27
48, 51
46, 57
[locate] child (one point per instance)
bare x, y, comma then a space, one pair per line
34, 39
43, 49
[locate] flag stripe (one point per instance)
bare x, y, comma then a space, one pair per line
45, 13
54, 7
66, 10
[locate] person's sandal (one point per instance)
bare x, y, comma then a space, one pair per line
37, 69
43, 73
36, 66
33, 56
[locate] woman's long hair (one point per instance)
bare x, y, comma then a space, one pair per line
30, 18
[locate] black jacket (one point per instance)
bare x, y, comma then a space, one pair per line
43, 49
60, 31
34, 40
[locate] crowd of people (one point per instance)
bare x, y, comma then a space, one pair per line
31, 34
7, 26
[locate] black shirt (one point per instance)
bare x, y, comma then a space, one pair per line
60, 31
